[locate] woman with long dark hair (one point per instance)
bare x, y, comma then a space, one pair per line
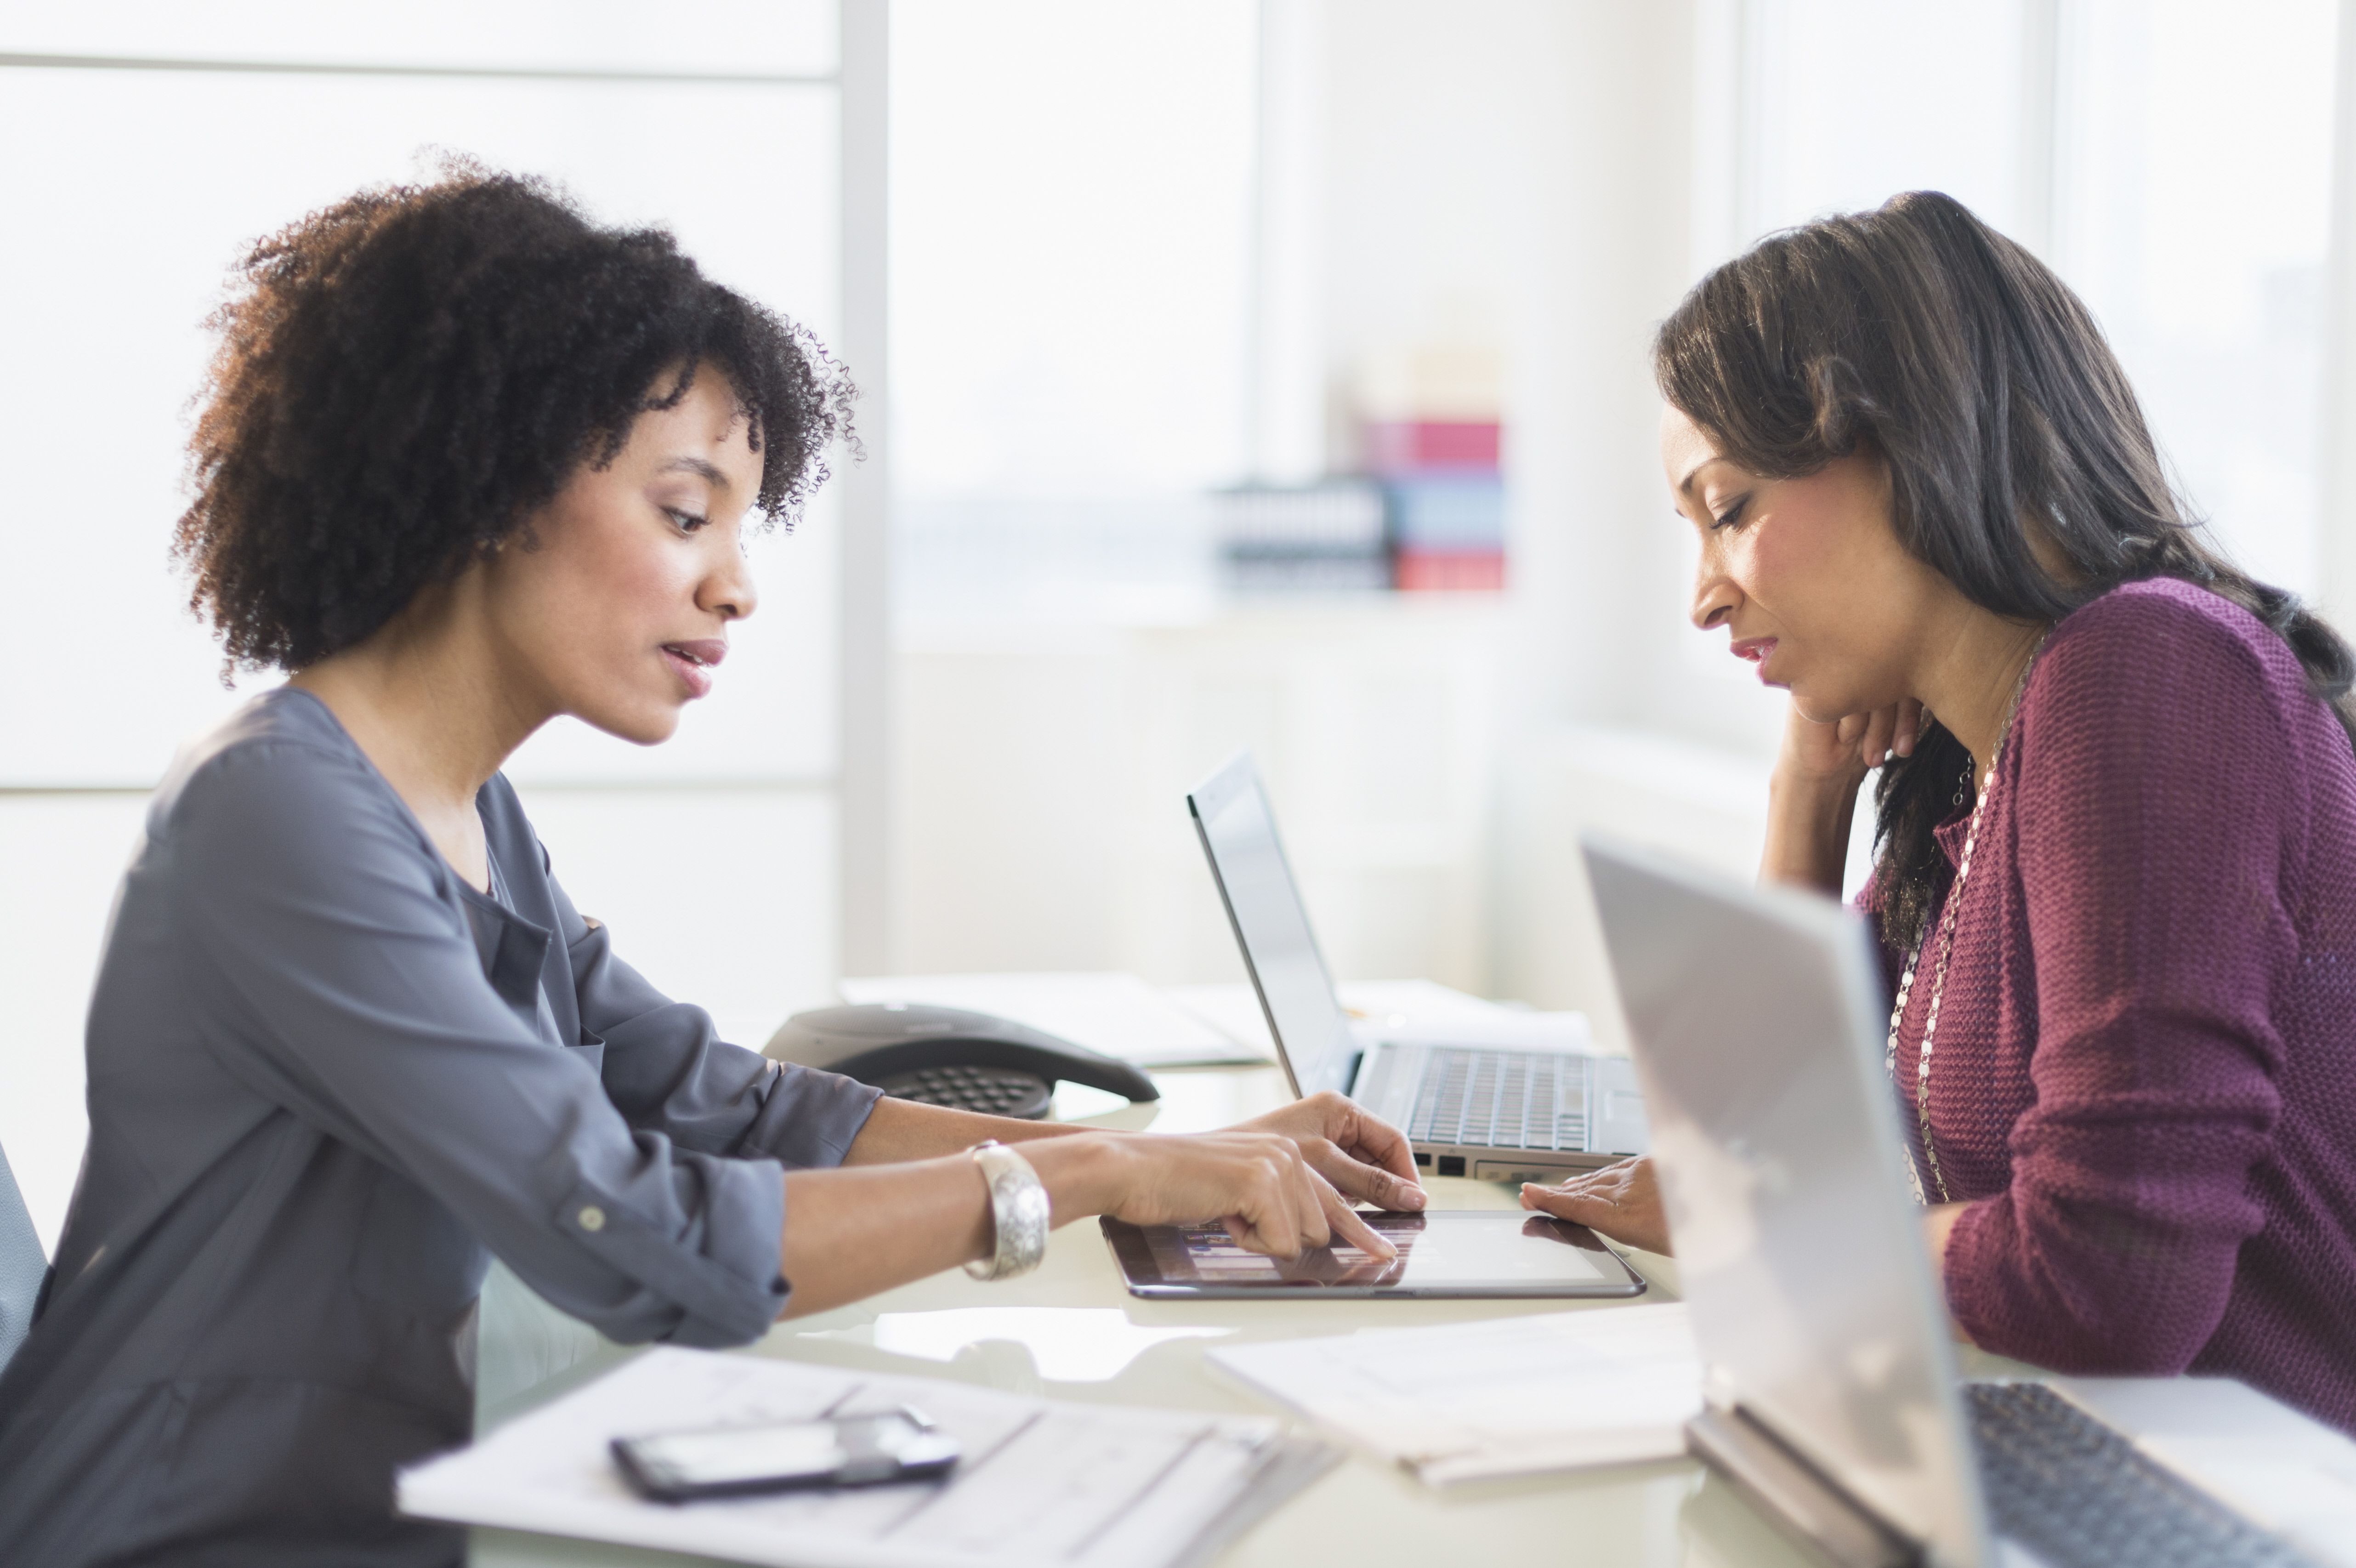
2115, 874
469, 462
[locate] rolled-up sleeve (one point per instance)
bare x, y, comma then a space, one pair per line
343, 985
667, 1069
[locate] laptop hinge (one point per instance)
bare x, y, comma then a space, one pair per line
1794, 1494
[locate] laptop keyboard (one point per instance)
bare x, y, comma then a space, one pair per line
2081, 1495
1501, 1100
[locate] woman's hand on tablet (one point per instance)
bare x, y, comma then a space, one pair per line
1260, 1185
859, 1229
1621, 1201
1294, 1177
906, 1202
1366, 1158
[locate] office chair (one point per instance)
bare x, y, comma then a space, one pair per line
23, 1265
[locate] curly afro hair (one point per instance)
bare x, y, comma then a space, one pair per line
404, 378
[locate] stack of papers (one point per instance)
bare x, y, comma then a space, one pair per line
1111, 1012
1093, 1485
1512, 1396
1411, 1012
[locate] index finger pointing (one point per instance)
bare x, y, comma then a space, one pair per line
1350, 1227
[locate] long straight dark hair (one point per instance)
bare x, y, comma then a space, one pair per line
1918, 333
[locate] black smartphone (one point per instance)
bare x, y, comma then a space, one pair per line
739, 1461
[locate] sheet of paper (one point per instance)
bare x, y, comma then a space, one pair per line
1234, 1009
1094, 1486
1506, 1396
1111, 1012
1409, 1011
1404, 1002
1231, 1009
1503, 1027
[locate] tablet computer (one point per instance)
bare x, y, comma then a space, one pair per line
1446, 1252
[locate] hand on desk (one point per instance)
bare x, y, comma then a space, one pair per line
1621, 1201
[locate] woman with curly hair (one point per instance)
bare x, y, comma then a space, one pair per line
469, 462
2116, 880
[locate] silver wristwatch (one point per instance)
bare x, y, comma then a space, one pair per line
1018, 1206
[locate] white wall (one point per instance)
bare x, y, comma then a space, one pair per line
1517, 170
60, 861
1527, 164
1043, 814
1534, 163
1706, 805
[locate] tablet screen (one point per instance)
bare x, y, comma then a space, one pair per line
1461, 1252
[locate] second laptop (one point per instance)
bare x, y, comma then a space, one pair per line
1490, 1113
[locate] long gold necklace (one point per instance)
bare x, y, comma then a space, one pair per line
1943, 947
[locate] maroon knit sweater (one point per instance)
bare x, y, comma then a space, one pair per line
2145, 1078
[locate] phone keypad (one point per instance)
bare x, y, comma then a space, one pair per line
992, 1090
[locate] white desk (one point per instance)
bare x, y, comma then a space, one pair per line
1361, 1512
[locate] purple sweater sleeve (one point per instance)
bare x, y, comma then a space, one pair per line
2155, 815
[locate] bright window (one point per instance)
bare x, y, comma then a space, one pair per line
1072, 193
2195, 200
2172, 158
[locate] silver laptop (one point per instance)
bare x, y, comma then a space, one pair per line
1495, 1114
1833, 1397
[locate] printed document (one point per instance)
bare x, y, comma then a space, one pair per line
1092, 1486
1511, 1396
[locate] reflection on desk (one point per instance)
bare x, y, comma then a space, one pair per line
1439, 1253
1066, 1344
1022, 1336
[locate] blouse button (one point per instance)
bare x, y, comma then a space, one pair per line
592, 1218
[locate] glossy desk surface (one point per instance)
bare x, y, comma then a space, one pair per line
1070, 1330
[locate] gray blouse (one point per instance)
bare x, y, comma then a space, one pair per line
328, 1080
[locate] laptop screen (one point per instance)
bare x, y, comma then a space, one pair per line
1757, 1019
1238, 833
